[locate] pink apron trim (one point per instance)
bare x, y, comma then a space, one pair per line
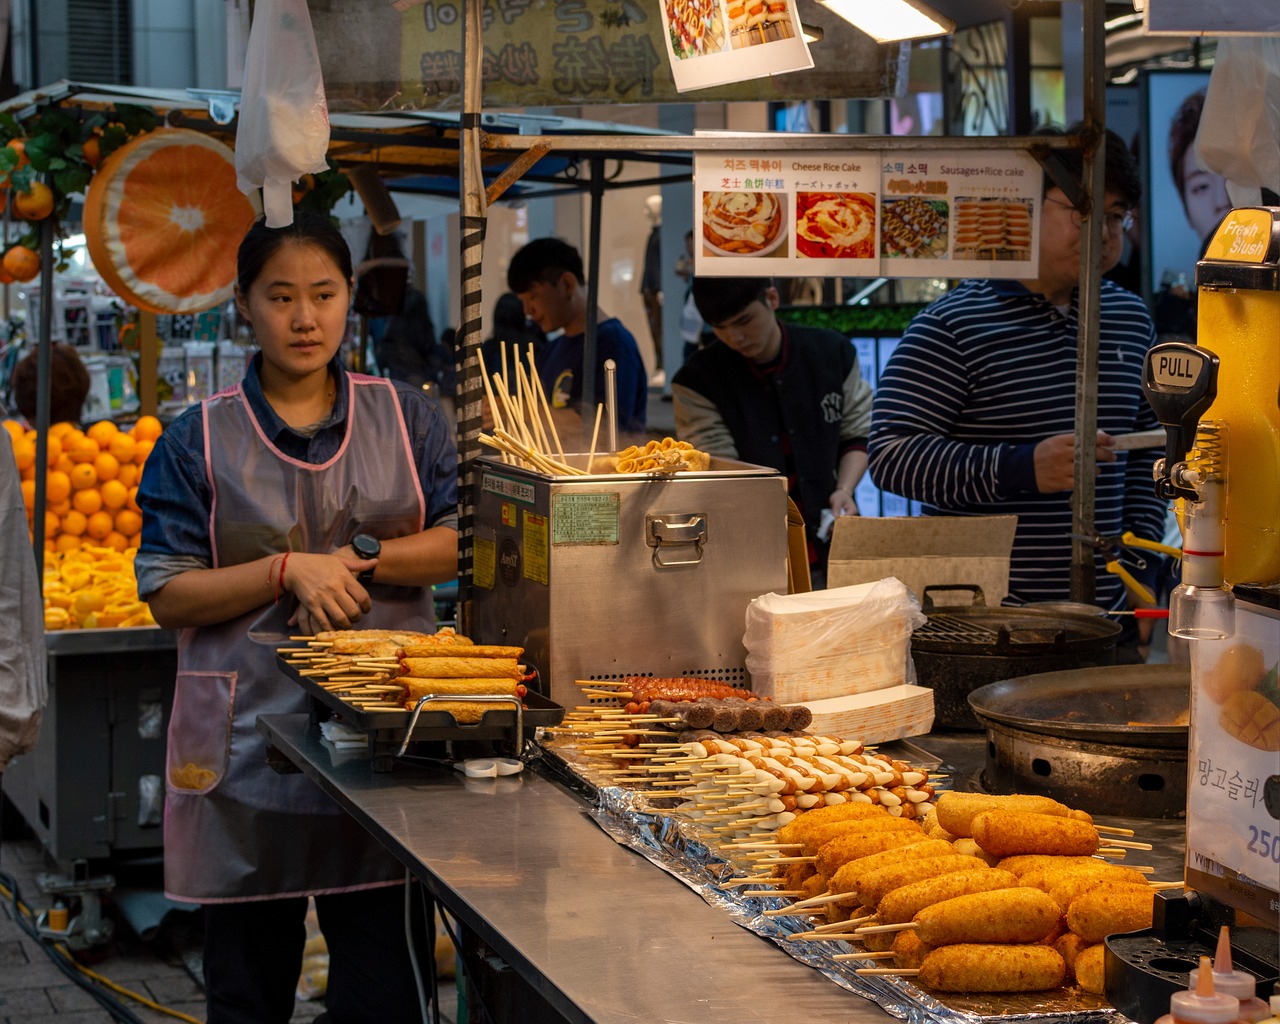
404, 439
232, 391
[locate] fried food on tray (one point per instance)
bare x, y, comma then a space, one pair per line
665, 456
461, 668
417, 687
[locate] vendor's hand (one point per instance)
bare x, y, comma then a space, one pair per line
842, 503
1055, 460
329, 595
347, 555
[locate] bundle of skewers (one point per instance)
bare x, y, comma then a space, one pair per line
390, 670
986, 894
524, 430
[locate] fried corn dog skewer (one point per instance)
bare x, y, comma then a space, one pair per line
970, 967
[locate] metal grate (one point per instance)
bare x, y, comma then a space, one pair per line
944, 627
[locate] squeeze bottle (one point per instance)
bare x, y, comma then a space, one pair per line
1228, 981
1199, 1005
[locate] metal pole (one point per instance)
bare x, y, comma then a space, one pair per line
467, 351
1083, 574
43, 373
589, 396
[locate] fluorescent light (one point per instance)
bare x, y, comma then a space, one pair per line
888, 21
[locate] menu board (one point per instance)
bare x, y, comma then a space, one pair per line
714, 42
867, 214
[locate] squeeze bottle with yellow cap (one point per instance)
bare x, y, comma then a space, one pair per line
1241, 984
1200, 1005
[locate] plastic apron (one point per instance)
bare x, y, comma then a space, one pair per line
236, 830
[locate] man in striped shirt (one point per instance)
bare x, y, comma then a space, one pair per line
975, 411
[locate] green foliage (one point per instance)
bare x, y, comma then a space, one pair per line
853, 320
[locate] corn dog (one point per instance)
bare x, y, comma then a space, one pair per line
820, 835
460, 668
449, 650
1004, 833
1089, 970
970, 967
1069, 946
1097, 872
794, 831
852, 845
956, 811
908, 949
902, 904
847, 875
1095, 915
421, 687
1021, 864
466, 711
970, 848
1007, 916
873, 887
1066, 892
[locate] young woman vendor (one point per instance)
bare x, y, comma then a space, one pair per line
250, 503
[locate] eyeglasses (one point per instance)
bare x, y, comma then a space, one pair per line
1113, 222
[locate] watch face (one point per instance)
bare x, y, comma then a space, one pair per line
366, 546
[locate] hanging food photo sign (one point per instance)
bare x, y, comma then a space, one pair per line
867, 213
715, 42
163, 220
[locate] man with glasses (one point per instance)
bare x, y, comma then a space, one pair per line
975, 411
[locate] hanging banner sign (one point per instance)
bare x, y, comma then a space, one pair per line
867, 214
715, 42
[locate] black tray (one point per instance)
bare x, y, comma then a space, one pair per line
386, 729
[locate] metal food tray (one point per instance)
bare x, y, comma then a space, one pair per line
388, 731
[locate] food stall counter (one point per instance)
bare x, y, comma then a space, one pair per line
587, 923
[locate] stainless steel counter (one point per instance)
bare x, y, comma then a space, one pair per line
600, 932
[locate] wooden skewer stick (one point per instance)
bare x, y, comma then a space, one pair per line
876, 929
1125, 845
1110, 830
1168, 885
889, 972
537, 380
836, 926
752, 880
792, 911
494, 409
772, 892
595, 435
886, 955
823, 900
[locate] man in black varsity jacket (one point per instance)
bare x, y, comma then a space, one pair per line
776, 395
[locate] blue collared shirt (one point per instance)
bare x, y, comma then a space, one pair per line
175, 495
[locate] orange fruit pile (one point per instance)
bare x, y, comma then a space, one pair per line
91, 482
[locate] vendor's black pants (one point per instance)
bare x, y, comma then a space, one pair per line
253, 955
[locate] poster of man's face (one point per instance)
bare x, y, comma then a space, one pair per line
1186, 202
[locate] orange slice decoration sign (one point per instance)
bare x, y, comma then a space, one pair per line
163, 220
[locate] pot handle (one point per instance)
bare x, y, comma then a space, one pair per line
926, 602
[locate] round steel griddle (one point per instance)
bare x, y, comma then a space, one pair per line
1094, 705
1097, 738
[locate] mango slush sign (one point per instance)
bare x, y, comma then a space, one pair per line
553, 52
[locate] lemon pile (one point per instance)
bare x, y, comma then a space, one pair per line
92, 587
92, 523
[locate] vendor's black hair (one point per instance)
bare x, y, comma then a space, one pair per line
68, 384
722, 298
260, 243
1121, 173
543, 259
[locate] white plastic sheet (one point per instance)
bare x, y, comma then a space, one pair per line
284, 119
1239, 134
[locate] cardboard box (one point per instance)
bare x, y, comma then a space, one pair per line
925, 551
877, 717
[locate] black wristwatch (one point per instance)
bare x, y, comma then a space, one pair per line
366, 546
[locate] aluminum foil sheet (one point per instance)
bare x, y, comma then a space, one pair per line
675, 845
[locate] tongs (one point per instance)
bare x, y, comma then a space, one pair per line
1111, 548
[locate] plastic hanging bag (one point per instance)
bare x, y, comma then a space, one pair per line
1239, 135
284, 119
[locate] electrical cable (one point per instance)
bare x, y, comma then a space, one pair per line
473, 992
63, 959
